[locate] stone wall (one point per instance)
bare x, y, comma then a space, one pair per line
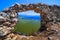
50, 22
48, 13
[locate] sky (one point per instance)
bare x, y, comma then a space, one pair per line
29, 15
7, 3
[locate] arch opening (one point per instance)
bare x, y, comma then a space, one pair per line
28, 23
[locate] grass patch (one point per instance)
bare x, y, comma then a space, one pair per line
27, 26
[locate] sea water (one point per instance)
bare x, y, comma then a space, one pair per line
28, 24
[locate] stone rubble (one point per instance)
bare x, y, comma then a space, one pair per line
50, 23
5, 23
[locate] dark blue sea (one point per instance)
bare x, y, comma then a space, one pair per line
35, 17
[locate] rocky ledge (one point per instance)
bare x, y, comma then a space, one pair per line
50, 23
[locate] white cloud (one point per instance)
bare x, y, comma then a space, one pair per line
30, 13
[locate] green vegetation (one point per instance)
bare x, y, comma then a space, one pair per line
27, 26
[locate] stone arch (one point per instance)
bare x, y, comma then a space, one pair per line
38, 8
43, 9
46, 11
